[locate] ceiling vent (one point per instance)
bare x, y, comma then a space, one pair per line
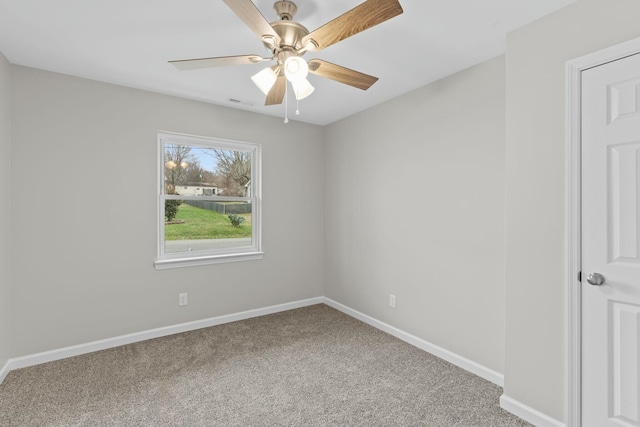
241, 102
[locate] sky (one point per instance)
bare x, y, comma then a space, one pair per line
205, 157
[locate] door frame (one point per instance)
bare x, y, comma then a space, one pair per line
573, 211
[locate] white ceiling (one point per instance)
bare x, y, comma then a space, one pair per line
128, 42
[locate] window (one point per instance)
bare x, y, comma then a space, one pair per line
209, 201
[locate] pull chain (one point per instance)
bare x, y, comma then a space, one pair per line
297, 107
286, 103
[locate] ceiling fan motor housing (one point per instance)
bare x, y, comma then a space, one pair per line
291, 34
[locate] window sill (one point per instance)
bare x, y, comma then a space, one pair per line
163, 264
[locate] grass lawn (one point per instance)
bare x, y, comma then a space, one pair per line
205, 224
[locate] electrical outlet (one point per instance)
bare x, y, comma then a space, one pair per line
392, 301
183, 299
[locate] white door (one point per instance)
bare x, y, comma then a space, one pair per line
611, 244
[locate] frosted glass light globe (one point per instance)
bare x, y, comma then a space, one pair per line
295, 68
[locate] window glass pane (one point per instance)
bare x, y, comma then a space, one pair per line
191, 170
204, 225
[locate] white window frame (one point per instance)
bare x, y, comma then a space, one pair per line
185, 259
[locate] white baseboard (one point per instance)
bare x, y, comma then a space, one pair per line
460, 361
4, 371
76, 350
527, 413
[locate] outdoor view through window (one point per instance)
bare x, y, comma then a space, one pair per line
208, 198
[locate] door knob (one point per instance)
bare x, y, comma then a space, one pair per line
596, 279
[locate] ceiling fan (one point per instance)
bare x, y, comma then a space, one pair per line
287, 41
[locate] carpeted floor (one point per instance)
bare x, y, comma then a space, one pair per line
308, 367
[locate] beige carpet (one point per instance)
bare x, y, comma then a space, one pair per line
308, 367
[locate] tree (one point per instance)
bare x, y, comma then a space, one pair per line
236, 166
177, 159
195, 173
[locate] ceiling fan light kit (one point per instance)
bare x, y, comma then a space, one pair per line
287, 41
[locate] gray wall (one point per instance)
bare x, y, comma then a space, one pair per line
414, 206
5, 208
535, 316
84, 187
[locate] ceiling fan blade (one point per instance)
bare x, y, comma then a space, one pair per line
250, 15
341, 74
360, 18
221, 61
276, 94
